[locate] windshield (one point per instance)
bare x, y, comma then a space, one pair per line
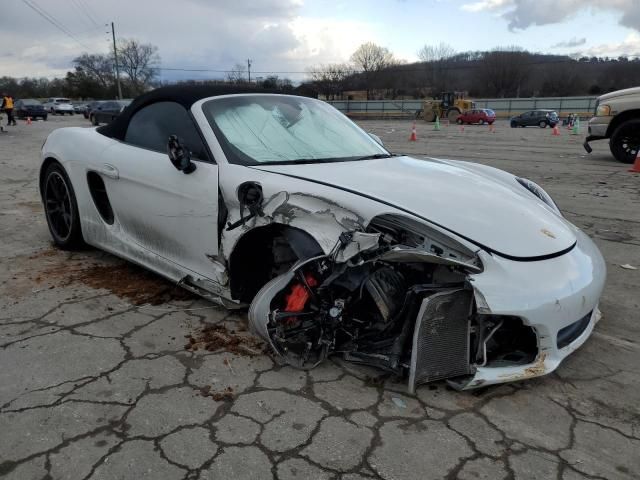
257, 129
63, 100
31, 102
488, 111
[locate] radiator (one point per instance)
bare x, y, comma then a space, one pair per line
441, 337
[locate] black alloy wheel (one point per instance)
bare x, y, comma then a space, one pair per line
61, 208
625, 141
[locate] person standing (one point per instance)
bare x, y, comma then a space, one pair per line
7, 106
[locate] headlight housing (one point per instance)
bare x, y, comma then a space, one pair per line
603, 111
539, 192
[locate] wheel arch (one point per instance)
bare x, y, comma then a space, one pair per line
620, 119
263, 250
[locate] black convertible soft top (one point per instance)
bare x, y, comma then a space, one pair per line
185, 95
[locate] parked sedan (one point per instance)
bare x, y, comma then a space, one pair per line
91, 106
428, 268
539, 118
59, 106
29, 108
107, 111
481, 116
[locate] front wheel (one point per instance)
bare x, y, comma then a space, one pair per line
481, 122
61, 208
542, 124
94, 120
625, 141
513, 124
459, 121
44, 118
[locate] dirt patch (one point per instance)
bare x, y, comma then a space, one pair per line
125, 280
226, 395
219, 337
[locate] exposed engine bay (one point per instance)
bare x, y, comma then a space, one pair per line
391, 298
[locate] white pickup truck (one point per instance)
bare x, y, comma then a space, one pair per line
59, 105
617, 117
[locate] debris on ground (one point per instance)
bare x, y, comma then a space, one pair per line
219, 337
626, 266
225, 396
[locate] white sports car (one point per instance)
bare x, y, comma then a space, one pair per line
432, 269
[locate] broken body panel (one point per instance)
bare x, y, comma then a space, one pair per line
429, 268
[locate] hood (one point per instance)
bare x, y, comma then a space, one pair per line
494, 213
620, 93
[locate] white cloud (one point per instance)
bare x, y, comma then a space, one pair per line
522, 14
630, 47
573, 42
487, 5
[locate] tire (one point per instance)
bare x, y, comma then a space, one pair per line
459, 122
542, 124
61, 208
481, 122
453, 114
625, 141
513, 124
94, 120
44, 118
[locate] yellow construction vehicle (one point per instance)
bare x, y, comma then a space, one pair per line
449, 105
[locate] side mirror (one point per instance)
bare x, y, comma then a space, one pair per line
376, 138
180, 156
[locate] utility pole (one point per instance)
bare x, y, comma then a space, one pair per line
249, 69
115, 56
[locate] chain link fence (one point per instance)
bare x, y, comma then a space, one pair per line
504, 107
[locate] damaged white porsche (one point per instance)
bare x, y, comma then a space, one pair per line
431, 269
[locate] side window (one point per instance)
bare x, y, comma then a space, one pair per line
151, 126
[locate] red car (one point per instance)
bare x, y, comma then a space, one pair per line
481, 116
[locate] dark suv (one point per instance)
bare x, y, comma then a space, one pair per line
539, 118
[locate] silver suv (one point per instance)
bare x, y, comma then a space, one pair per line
617, 117
59, 105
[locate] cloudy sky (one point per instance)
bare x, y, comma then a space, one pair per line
291, 35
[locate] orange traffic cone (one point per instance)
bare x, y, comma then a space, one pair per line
636, 164
28, 120
413, 136
556, 131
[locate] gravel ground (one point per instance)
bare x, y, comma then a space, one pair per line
104, 372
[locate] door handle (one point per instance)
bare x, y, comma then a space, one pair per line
110, 171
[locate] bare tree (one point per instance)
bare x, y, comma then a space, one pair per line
139, 62
330, 79
97, 67
371, 59
435, 53
437, 60
504, 71
237, 74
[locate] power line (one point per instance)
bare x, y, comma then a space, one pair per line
82, 9
52, 20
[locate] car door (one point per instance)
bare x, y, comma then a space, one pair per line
159, 208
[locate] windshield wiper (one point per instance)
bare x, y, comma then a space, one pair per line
375, 156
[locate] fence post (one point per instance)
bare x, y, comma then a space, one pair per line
560, 109
509, 114
535, 103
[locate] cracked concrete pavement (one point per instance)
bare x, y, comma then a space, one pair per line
95, 382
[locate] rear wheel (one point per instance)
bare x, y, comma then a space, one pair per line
625, 141
453, 114
513, 124
459, 121
61, 208
481, 121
